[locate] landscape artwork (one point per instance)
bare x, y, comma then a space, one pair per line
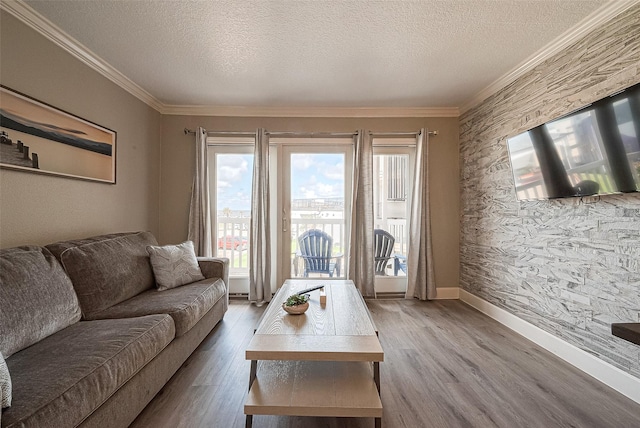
36, 137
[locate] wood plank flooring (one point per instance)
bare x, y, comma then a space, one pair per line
446, 365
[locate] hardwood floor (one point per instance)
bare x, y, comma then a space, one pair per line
446, 365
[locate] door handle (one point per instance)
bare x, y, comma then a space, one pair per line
284, 220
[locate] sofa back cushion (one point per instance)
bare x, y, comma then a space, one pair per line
36, 297
107, 269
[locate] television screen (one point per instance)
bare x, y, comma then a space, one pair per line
592, 151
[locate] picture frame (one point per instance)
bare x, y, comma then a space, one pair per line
39, 138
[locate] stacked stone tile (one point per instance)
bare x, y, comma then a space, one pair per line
570, 266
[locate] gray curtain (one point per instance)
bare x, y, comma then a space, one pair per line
200, 210
420, 274
260, 260
361, 258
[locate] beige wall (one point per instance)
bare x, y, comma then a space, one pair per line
178, 154
39, 209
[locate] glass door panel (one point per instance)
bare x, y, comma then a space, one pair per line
316, 205
392, 168
231, 170
233, 209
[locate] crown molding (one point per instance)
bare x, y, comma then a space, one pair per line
364, 112
52, 32
591, 22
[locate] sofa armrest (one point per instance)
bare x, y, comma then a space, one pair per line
215, 267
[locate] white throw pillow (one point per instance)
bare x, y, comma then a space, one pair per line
174, 265
5, 384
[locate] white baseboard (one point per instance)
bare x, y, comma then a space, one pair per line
447, 293
606, 373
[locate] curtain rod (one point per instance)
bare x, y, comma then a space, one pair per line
222, 133
310, 134
399, 134
278, 134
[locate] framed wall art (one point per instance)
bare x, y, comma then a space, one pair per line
36, 137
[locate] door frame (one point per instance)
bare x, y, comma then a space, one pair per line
281, 213
238, 283
390, 147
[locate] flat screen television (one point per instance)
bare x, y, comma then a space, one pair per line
591, 151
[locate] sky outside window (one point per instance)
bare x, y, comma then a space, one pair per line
316, 176
234, 174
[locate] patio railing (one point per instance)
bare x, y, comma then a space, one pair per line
235, 230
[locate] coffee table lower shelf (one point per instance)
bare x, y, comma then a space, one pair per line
314, 388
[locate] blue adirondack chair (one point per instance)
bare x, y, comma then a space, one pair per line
399, 264
315, 249
383, 247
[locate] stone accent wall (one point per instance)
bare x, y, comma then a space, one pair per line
568, 266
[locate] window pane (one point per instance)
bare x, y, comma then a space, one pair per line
233, 209
390, 191
396, 178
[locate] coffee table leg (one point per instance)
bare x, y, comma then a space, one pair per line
376, 375
252, 377
252, 374
376, 379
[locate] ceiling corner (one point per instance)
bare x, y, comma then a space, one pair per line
53, 33
604, 14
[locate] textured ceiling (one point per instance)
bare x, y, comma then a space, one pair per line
277, 53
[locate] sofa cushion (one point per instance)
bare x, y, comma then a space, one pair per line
36, 295
174, 265
5, 384
62, 379
108, 269
186, 304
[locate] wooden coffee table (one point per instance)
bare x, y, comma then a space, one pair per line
325, 362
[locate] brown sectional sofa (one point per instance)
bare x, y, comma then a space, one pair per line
87, 337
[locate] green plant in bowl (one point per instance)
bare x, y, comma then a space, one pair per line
296, 304
296, 299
